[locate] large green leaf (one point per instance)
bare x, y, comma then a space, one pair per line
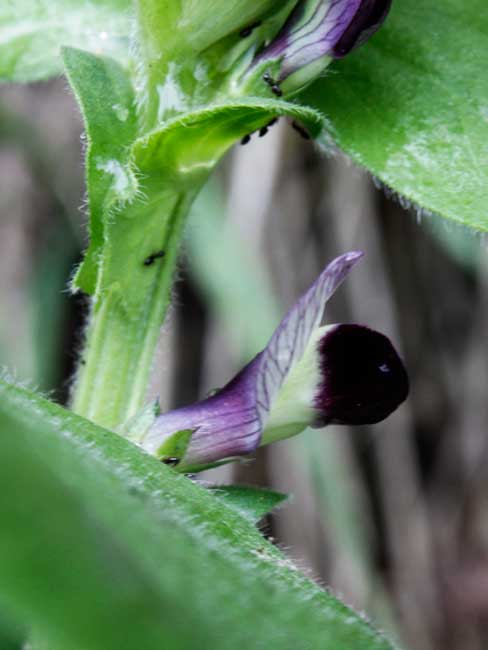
104, 547
412, 106
33, 31
9, 639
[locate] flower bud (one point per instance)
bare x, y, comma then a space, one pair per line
307, 375
318, 31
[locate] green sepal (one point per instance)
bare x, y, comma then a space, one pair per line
174, 447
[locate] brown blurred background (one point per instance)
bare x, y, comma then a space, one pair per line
393, 517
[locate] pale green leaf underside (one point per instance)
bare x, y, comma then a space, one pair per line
193, 143
33, 31
100, 532
412, 106
252, 502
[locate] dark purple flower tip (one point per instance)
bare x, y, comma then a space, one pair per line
367, 19
363, 378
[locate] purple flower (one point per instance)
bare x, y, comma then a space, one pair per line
307, 375
323, 28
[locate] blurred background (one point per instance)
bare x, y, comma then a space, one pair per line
393, 517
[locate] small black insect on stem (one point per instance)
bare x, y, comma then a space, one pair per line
247, 31
264, 129
150, 259
301, 130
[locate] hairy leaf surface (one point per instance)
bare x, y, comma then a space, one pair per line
33, 31
412, 106
98, 531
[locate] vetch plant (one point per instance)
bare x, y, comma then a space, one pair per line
99, 529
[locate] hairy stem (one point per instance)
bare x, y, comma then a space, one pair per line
124, 326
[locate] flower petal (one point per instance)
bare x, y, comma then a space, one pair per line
224, 425
331, 28
290, 339
363, 379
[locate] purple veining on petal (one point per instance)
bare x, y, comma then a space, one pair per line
225, 424
333, 29
363, 378
289, 340
231, 422
368, 19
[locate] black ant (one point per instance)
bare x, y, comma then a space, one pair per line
150, 259
262, 131
274, 85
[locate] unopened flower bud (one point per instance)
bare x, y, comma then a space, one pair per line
318, 31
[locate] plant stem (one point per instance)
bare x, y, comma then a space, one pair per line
120, 341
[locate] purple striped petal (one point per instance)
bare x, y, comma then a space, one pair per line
231, 423
333, 28
289, 340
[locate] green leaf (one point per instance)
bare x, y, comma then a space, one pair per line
106, 98
193, 143
10, 638
412, 107
252, 502
100, 532
33, 31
